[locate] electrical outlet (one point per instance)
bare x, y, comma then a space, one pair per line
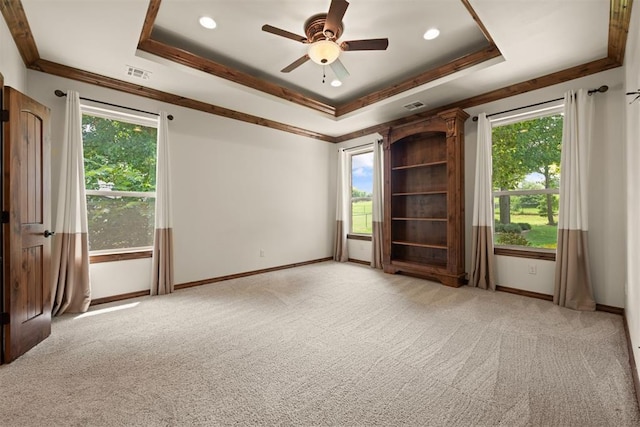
261, 253
533, 269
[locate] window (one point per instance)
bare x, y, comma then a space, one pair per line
120, 180
526, 179
361, 191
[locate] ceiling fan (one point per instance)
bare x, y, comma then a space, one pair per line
322, 33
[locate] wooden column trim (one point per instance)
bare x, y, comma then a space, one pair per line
16, 20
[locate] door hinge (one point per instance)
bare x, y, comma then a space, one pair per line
4, 115
5, 217
5, 319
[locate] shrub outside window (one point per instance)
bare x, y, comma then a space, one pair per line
526, 180
120, 180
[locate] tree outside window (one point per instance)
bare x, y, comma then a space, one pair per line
120, 181
526, 181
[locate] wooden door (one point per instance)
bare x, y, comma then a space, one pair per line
26, 217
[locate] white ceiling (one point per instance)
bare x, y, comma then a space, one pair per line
536, 37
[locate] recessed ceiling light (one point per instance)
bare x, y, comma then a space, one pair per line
207, 22
431, 34
336, 83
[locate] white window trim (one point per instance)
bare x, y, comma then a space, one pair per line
118, 115
91, 110
552, 110
368, 148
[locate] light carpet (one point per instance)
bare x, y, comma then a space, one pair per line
326, 344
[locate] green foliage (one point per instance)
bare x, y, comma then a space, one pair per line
525, 226
120, 222
511, 239
508, 228
119, 156
520, 149
122, 155
355, 193
554, 202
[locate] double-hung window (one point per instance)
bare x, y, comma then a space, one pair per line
526, 182
120, 180
361, 191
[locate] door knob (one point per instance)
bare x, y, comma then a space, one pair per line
48, 233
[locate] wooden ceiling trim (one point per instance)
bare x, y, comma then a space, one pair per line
189, 59
619, 20
459, 64
495, 95
479, 23
16, 20
196, 62
122, 86
149, 20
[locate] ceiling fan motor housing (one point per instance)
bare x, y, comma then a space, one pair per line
314, 29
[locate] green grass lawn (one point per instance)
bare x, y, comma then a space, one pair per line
541, 234
361, 217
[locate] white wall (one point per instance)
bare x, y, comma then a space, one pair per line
237, 189
11, 65
632, 84
606, 192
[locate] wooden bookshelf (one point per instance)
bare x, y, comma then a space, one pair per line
424, 198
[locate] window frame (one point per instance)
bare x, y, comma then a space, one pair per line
525, 251
119, 254
368, 148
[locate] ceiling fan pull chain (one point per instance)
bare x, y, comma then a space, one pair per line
324, 74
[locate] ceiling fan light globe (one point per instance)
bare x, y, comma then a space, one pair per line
324, 52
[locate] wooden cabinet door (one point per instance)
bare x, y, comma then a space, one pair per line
26, 210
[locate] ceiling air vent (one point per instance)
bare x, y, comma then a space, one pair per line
414, 105
138, 73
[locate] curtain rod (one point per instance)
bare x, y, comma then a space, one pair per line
363, 145
60, 94
601, 89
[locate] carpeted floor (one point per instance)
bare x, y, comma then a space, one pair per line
325, 344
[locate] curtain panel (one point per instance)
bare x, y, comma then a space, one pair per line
162, 258
573, 287
377, 238
482, 258
340, 252
71, 287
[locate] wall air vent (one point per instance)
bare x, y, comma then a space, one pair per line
414, 105
138, 73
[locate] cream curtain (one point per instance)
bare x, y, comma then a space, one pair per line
573, 288
377, 206
482, 259
340, 252
162, 259
71, 288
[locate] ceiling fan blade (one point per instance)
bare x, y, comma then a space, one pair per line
339, 69
334, 17
371, 44
295, 64
283, 33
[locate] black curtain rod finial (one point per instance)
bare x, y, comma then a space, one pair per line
60, 94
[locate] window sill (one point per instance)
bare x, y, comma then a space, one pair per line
359, 237
122, 256
514, 251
